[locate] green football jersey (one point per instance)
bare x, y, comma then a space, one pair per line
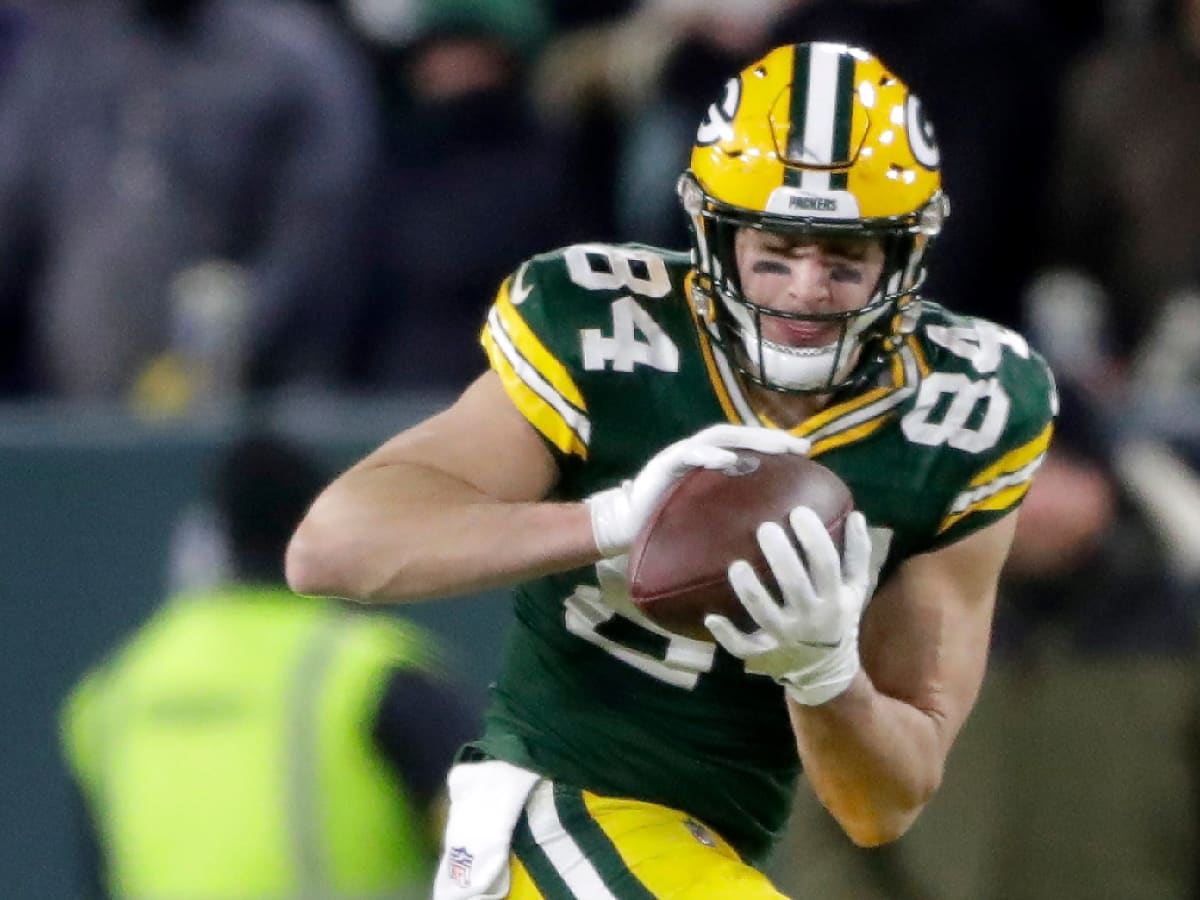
600, 349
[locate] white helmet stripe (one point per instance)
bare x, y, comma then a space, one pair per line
820, 114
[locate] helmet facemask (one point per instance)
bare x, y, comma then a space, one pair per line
868, 334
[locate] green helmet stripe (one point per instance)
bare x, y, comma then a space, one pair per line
842, 118
795, 144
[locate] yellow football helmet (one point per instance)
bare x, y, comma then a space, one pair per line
815, 139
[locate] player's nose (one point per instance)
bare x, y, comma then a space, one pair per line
810, 284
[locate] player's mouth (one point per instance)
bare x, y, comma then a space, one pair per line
800, 333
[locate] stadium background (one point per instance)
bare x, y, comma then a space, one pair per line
1077, 777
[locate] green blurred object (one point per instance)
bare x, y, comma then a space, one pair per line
522, 24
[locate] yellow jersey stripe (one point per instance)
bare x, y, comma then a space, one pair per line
849, 436
865, 414
724, 397
1015, 459
918, 355
567, 429
1001, 492
851, 413
714, 376
825, 416
533, 350
1002, 499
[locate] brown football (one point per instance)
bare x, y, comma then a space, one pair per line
678, 563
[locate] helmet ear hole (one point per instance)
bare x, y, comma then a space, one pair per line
690, 195
725, 256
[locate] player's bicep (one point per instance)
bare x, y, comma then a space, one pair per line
925, 634
482, 440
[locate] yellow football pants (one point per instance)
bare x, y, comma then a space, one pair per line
574, 845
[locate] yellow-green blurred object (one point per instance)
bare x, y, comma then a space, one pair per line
164, 388
226, 751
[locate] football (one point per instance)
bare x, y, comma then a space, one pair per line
678, 562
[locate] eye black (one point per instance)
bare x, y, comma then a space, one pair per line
770, 267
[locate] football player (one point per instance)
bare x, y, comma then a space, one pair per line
619, 760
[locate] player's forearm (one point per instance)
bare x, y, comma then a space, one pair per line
873, 760
404, 532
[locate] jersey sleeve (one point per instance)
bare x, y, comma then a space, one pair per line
996, 482
534, 365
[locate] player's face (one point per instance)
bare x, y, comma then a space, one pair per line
795, 274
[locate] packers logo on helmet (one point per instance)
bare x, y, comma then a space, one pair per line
919, 131
718, 122
817, 139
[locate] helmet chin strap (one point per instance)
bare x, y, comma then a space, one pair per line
799, 368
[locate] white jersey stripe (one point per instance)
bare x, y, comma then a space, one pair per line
880, 406
969, 498
575, 420
560, 848
732, 386
741, 404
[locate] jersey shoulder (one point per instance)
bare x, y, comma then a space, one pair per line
986, 405
969, 348
558, 286
566, 317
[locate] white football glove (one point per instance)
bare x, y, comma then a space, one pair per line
807, 639
619, 513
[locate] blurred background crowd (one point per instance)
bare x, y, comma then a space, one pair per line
203, 196
204, 203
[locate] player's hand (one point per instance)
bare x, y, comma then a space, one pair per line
807, 638
619, 513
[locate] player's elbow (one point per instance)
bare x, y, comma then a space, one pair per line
877, 830
882, 820
318, 563
307, 568
328, 556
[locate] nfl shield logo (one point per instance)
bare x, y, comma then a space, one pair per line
460, 866
699, 832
